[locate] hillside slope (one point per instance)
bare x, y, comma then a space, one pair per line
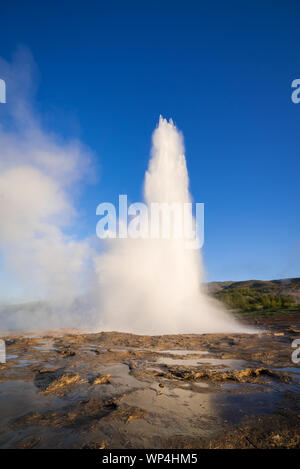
255, 295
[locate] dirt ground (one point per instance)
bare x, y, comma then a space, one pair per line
66, 389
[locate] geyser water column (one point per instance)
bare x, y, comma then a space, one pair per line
154, 286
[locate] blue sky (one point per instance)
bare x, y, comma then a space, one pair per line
221, 70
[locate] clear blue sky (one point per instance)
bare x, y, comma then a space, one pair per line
221, 70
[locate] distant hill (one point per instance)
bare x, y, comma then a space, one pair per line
255, 295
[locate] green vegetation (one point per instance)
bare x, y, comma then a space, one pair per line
262, 313
259, 297
246, 299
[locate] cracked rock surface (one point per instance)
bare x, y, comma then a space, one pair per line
65, 389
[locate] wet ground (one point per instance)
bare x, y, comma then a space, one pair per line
117, 390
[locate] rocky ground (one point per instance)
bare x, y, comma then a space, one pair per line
117, 390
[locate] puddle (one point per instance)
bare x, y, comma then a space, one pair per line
290, 369
234, 407
157, 370
178, 361
201, 385
294, 373
194, 385
121, 376
25, 362
18, 398
182, 352
189, 410
229, 364
44, 346
89, 349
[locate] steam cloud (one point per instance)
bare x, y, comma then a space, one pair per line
142, 286
38, 173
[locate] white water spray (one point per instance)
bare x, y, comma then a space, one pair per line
152, 286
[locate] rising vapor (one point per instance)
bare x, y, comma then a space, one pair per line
154, 286
38, 173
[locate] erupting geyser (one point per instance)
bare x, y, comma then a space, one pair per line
154, 286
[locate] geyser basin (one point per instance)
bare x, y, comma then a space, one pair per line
154, 286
